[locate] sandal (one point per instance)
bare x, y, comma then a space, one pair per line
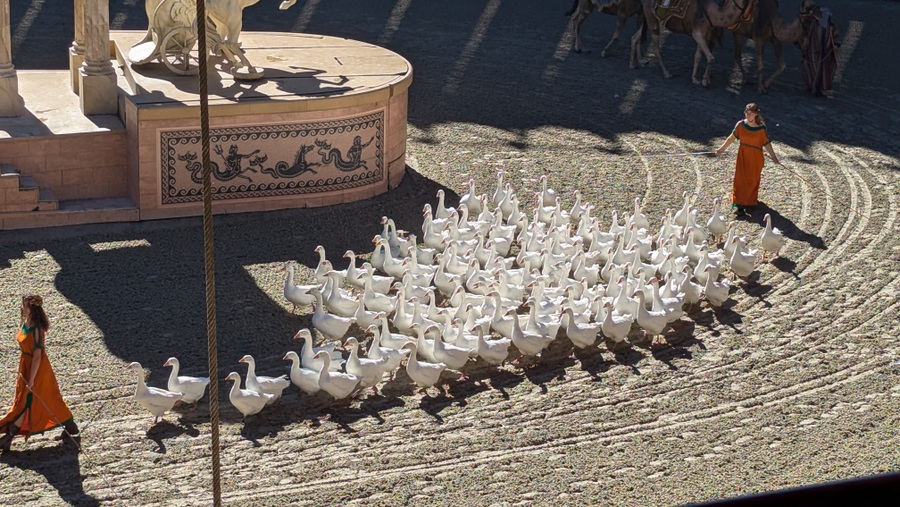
6, 440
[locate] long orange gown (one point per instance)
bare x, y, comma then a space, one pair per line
45, 409
750, 159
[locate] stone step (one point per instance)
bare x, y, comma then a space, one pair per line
27, 183
74, 212
47, 200
8, 171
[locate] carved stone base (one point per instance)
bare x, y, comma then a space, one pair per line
325, 125
75, 61
99, 93
10, 102
246, 73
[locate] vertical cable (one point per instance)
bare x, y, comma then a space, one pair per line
212, 350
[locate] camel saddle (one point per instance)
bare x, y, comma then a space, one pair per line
747, 16
665, 9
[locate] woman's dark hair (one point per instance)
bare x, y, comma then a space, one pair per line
36, 307
753, 108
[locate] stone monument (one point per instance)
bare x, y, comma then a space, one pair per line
313, 121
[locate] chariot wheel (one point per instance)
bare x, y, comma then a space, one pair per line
175, 51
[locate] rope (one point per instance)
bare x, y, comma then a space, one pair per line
827, 193
212, 349
670, 155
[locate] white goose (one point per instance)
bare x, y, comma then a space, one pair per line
423, 255
298, 295
716, 293
494, 352
247, 402
337, 301
471, 199
393, 357
441, 211
308, 352
499, 191
548, 195
262, 384
424, 374
392, 266
615, 327
652, 322
338, 385
392, 235
377, 257
157, 401
368, 370
424, 345
529, 344
580, 334
380, 284
193, 388
376, 301
364, 318
333, 327
743, 260
638, 218
391, 340
451, 355
464, 338
304, 378
681, 217
716, 224
324, 266
673, 307
771, 239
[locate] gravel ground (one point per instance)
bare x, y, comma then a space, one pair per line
790, 385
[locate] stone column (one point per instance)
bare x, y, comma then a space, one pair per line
10, 102
97, 79
76, 52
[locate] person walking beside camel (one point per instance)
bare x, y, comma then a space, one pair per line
38, 406
752, 139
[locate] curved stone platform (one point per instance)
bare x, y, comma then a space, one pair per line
325, 125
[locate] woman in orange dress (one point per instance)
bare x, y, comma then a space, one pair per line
753, 139
38, 405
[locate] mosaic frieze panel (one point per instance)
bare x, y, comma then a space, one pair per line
274, 160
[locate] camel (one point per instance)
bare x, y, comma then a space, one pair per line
700, 21
622, 9
768, 26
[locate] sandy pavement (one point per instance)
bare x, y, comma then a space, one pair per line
790, 384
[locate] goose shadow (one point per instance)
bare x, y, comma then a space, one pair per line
551, 365
629, 356
787, 227
786, 265
348, 411
592, 362
668, 354
753, 288
496, 378
681, 333
723, 315
166, 430
434, 405
61, 467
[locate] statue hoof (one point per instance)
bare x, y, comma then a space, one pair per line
246, 73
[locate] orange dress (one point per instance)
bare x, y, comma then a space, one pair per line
45, 408
750, 159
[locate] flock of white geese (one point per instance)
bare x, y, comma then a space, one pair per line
485, 277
